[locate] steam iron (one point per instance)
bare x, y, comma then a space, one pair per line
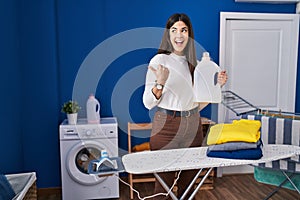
103, 166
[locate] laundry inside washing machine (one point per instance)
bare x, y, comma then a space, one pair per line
86, 156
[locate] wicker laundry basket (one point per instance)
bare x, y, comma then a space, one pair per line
24, 185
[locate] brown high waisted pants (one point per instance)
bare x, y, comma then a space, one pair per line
171, 132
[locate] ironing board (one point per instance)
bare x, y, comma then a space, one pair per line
195, 158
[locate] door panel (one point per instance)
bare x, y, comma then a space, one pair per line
259, 52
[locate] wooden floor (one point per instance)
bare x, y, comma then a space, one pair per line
230, 187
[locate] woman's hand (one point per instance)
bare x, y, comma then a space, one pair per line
161, 73
222, 78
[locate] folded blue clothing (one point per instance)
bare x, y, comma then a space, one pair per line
250, 154
6, 191
232, 146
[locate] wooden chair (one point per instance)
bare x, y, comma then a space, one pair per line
137, 178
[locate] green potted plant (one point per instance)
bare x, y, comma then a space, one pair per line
71, 108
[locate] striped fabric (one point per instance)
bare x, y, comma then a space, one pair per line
279, 131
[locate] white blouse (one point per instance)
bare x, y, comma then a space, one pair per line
178, 91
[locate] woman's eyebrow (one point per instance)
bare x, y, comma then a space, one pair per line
185, 28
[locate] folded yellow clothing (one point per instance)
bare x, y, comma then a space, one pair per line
242, 130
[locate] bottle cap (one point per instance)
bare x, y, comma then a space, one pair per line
205, 56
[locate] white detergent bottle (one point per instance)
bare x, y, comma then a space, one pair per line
93, 110
206, 86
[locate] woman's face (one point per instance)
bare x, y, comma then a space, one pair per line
179, 36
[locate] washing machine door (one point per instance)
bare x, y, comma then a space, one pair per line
78, 159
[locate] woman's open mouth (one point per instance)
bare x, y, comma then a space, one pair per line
179, 42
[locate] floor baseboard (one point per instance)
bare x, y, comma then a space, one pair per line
48, 191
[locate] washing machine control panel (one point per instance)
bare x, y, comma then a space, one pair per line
97, 132
88, 131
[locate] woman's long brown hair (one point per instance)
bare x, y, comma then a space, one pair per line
189, 51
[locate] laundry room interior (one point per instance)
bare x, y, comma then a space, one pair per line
54, 51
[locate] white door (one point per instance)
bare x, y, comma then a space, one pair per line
259, 52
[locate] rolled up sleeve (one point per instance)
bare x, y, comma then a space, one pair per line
149, 99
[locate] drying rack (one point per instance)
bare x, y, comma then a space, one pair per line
240, 106
287, 130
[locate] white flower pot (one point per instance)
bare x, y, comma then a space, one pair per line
72, 118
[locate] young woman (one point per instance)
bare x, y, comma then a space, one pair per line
169, 87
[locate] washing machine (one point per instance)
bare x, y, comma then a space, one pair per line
79, 144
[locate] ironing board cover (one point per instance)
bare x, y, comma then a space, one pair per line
195, 158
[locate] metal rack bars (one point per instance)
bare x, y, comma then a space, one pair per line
240, 106
237, 104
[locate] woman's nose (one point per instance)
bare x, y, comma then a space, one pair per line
178, 34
